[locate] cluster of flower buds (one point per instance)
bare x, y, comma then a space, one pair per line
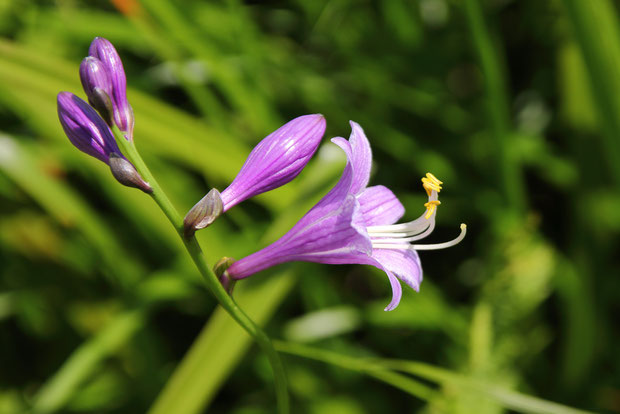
88, 127
103, 78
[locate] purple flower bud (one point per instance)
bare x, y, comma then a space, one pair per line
277, 159
103, 50
85, 128
98, 87
93, 74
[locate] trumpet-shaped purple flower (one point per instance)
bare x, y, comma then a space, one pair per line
354, 223
85, 128
276, 160
102, 71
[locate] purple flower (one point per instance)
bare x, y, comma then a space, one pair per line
102, 71
85, 128
277, 159
354, 223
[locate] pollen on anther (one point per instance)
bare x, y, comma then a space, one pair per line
430, 183
431, 206
433, 179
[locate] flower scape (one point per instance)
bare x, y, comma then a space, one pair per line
352, 224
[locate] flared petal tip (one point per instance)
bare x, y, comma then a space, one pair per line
397, 292
391, 306
355, 125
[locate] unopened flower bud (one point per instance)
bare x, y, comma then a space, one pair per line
102, 50
277, 159
203, 213
98, 87
85, 128
126, 174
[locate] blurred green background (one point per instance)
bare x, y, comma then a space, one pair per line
515, 105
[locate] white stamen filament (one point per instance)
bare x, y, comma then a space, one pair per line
425, 233
403, 245
420, 230
444, 245
403, 237
416, 226
412, 228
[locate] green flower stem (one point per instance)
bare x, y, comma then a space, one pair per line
214, 285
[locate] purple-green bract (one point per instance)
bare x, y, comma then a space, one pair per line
354, 223
104, 58
277, 159
85, 128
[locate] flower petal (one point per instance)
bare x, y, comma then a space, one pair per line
397, 292
380, 206
332, 233
403, 263
335, 238
362, 158
333, 200
359, 155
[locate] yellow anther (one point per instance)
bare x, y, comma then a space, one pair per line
433, 179
431, 206
430, 183
428, 186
